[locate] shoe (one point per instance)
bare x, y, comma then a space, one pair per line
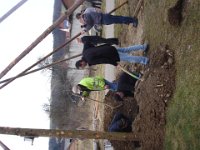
145, 46
135, 23
147, 61
146, 49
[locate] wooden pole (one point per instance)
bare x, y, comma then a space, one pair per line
126, 2
120, 136
41, 37
90, 99
87, 98
139, 4
129, 73
13, 9
35, 70
2, 145
23, 72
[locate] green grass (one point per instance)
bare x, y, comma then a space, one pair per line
183, 121
182, 129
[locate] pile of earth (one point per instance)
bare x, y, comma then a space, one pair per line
148, 107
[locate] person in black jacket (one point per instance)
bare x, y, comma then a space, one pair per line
126, 87
107, 54
94, 40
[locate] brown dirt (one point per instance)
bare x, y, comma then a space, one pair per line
151, 95
175, 13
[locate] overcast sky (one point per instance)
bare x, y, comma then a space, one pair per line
21, 101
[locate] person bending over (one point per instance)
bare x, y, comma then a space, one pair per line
88, 84
126, 87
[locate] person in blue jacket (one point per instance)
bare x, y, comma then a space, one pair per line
94, 16
120, 123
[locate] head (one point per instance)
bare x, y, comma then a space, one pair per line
76, 89
118, 96
81, 64
78, 16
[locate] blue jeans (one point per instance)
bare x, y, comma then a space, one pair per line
110, 19
132, 48
132, 59
112, 85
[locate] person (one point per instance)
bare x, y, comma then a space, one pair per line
120, 123
126, 87
88, 84
94, 16
107, 54
92, 41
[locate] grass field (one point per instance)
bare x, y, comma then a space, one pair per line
182, 128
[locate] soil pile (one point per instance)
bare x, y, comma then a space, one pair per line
148, 107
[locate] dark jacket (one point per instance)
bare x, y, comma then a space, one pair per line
120, 123
94, 39
104, 54
126, 84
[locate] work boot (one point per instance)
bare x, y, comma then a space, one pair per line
146, 49
135, 22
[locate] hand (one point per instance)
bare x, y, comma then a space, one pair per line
106, 87
118, 65
78, 40
83, 32
83, 99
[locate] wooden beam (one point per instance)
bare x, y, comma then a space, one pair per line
41, 37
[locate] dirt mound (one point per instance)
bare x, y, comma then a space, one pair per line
175, 16
148, 107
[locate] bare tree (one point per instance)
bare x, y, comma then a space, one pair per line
46, 107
